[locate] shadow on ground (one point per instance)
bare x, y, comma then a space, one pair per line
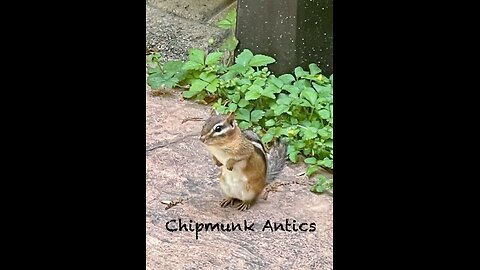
179, 168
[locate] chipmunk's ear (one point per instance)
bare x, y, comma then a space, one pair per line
231, 119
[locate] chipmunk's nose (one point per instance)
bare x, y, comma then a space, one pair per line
202, 139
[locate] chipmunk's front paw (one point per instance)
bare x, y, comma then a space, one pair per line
227, 201
230, 164
244, 205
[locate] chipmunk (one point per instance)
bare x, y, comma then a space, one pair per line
246, 166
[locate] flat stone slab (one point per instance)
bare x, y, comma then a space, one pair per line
172, 36
191, 9
179, 168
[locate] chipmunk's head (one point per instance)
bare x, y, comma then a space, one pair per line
219, 129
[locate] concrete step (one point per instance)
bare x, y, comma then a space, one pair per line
196, 10
173, 35
174, 26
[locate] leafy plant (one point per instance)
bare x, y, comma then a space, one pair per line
322, 184
160, 76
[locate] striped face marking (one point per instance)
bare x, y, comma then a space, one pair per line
217, 126
219, 129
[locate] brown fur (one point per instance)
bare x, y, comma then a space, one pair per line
238, 148
256, 171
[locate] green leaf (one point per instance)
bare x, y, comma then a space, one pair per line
172, 67
287, 78
284, 99
269, 91
301, 84
235, 97
279, 131
310, 133
232, 107
312, 169
324, 114
212, 87
197, 56
243, 114
299, 144
276, 81
244, 58
238, 68
323, 133
318, 188
244, 81
222, 109
225, 24
326, 162
292, 132
159, 80
229, 21
229, 44
244, 125
229, 75
208, 76
292, 153
270, 123
323, 91
292, 89
329, 143
310, 160
253, 93
281, 108
273, 88
181, 74
171, 82
310, 95
299, 72
244, 88
189, 94
267, 138
242, 103
155, 82
232, 15
316, 123
213, 58
322, 184
314, 69
256, 115
261, 60
260, 81
197, 86
154, 70
190, 65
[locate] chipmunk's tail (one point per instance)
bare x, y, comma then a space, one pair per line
277, 159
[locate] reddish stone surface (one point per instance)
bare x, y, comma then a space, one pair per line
180, 168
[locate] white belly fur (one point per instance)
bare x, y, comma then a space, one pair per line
235, 180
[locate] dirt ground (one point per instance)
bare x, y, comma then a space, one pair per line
179, 169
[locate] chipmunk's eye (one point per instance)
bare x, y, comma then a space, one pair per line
217, 128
